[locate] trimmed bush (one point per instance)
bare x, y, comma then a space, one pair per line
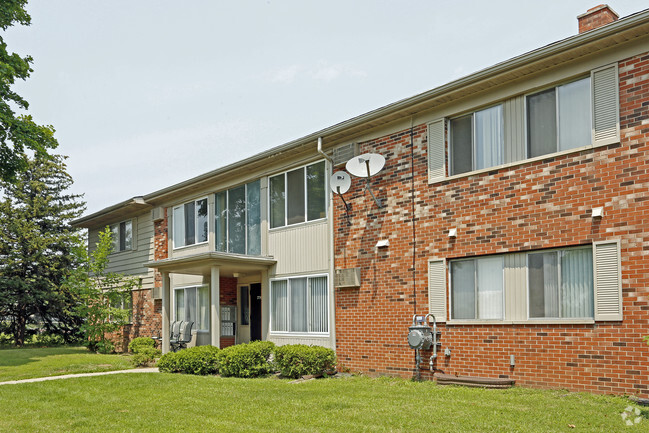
247, 360
141, 342
201, 360
144, 351
296, 360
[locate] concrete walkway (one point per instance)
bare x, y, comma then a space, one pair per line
70, 376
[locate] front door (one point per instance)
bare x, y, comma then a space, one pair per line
255, 311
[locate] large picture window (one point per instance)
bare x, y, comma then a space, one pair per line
559, 118
192, 304
300, 305
298, 195
122, 236
238, 219
476, 140
477, 288
190, 223
560, 283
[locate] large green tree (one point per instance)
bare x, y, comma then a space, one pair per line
37, 248
18, 132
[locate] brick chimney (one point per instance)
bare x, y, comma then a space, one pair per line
596, 17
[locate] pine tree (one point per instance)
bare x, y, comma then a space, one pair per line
37, 247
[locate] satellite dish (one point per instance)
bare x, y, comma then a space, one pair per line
340, 182
365, 165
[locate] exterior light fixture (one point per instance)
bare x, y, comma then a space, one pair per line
452, 233
598, 212
383, 243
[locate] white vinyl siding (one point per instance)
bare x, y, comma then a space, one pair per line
437, 289
608, 281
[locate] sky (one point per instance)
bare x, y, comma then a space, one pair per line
144, 94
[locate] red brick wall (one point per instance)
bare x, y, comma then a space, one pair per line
534, 205
596, 17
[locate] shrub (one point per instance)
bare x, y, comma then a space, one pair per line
200, 360
145, 356
295, 360
141, 342
247, 360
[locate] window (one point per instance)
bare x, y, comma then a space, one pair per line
300, 305
122, 236
190, 223
476, 140
560, 283
477, 288
298, 196
122, 301
559, 118
192, 304
238, 220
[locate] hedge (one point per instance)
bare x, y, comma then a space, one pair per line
199, 360
247, 360
296, 360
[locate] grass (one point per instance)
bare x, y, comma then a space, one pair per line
27, 363
167, 402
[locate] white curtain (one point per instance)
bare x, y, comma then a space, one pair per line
318, 304
489, 142
190, 304
180, 304
574, 114
279, 305
203, 308
298, 304
179, 226
577, 283
490, 288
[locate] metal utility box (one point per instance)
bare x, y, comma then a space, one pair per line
347, 277
228, 320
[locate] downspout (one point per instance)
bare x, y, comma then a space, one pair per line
332, 301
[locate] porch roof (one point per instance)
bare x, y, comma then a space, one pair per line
202, 263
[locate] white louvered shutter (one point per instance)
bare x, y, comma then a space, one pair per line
436, 151
437, 289
606, 117
608, 280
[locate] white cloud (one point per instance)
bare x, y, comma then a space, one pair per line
285, 75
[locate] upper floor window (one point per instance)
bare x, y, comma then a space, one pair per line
298, 195
560, 283
559, 118
238, 219
190, 223
476, 140
122, 236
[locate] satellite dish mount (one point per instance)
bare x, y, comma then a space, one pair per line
340, 183
366, 166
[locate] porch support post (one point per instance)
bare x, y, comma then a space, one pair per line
215, 313
166, 310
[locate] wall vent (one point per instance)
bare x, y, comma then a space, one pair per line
157, 214
156, 293
347, 277
344, 153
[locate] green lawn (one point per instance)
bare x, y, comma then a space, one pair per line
167, 402
38, 362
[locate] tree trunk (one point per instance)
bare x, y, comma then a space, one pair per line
19, 332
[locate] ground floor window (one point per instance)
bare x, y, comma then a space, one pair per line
300, 305
477, 288
192, 304
560, 283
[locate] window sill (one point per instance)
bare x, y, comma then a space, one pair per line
190, 246
299, 335
521, 162
287, 227
523, 322
116, 253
